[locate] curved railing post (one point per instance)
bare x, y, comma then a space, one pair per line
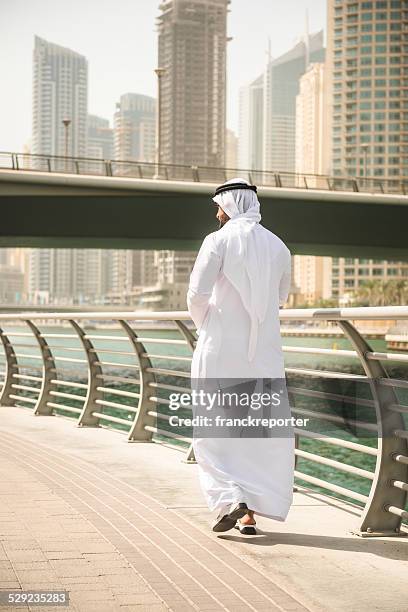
11, 368
187, 334
137, 432
191, 341
49, 372
86, 418
376, 520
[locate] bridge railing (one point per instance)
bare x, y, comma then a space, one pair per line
177, 172
118, 369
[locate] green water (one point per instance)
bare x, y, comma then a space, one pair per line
309, 361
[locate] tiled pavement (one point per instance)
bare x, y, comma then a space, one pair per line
63, 526
68, 522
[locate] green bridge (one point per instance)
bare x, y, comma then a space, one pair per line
77, 202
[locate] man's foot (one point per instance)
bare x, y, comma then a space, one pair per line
248, 519
246, 529
225, 522
247, 524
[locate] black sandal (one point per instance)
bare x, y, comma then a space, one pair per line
246, 529
227, 522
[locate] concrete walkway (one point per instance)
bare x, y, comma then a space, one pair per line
123, 527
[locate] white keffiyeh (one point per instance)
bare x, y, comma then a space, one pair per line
247, 261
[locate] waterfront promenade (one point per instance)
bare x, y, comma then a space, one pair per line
100, 496
83, 509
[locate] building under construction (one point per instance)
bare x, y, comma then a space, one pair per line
192, 59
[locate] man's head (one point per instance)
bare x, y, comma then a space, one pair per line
235, 197
221, 216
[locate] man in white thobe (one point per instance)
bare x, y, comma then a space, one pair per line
240, 279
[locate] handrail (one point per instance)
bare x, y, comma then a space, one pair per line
140, 407
360, 313
202, 174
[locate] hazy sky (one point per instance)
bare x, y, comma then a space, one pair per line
120, 41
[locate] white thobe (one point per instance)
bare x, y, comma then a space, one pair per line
257, 471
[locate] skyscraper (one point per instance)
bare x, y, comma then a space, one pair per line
130, 269
66, 276
169, 291
312, 274
135, 128
367, 58
39, 283
100, 138
60, 91
367, 111
231, 149
311, 134
250, 134
281, 86
11, 285
122, 270
192, 53
20, 258
174, 267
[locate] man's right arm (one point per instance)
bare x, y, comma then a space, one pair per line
202, 281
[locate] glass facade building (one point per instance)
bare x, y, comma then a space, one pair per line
60, 91
280, 87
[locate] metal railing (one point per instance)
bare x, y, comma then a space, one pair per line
176, 172
72, 369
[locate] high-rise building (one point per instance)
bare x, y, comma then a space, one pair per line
231, 150
60, 91
312, 276
169, 291
367, 58
349, 274
11, 285
132, 269
90, 277
174, 266
148, 268
121, 271
68, 276
100, 138
192, 54
367, 112
281, 86
20, 258
311, 135
250, 133
63, 273
39, 281
135, 128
